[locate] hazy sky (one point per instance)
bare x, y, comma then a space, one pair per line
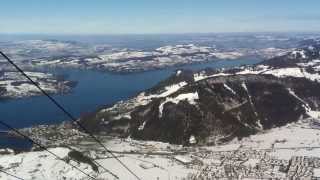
152, 16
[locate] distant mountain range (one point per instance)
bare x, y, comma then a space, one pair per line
125, 58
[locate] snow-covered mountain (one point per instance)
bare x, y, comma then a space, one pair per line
216, 106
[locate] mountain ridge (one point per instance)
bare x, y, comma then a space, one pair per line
207, 104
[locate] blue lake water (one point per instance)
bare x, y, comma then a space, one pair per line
94, 90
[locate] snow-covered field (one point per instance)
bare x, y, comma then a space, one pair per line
130, 60
106, 57
125, 60
269, 150
41, 165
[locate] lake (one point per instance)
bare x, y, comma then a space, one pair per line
95, 89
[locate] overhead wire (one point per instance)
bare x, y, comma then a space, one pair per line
69, 115
43, 147
9, 174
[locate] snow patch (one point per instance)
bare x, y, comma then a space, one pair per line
141, 127
192, 139
178, 72
299, 53
201, 76
228, 55
251, 103
190, 97
229, 88
309, 111
293, 72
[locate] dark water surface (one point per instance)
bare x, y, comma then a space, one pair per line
94, 90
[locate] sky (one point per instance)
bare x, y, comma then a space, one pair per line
158, 16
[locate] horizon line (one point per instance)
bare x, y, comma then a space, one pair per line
164, 33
